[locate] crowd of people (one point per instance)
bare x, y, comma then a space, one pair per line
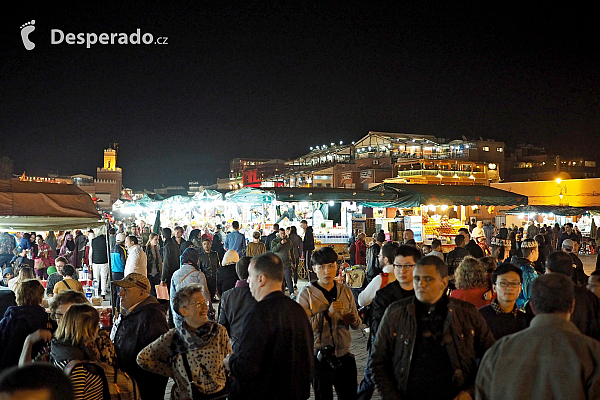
519, 322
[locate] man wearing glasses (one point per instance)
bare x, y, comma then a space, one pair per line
503, 316
405, 258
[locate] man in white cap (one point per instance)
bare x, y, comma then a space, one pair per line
569, 246
141, 322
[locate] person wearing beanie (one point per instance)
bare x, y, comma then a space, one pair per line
187, 273
7, 274
226, 275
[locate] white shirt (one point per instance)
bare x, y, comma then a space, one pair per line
477, 232
367, 296
136, 261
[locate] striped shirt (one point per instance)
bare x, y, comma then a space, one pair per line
86, 385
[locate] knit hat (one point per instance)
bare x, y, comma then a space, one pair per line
51, 270
120, 237
230, 257
134, 280
190, 256
8, 270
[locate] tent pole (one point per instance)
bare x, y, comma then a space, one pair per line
110, 279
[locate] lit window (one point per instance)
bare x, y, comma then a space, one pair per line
499, 149
486, 148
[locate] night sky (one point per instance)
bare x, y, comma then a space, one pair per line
270, 81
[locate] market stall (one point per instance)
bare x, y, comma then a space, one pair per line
439, 211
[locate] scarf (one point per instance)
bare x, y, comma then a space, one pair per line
61, 351
186, 340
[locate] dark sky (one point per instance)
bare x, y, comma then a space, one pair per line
270, 81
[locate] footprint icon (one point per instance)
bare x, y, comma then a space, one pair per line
26, 29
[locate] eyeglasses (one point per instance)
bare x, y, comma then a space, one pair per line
199, 304
407, 266
505, 285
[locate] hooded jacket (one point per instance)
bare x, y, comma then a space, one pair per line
134, 331
136, 261
529, 275
18, 322
185, 275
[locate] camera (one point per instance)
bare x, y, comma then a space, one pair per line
327, 354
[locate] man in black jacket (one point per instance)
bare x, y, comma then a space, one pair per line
308, 246
274, 356
99, 261
405, 258
271, 236
427, 346
586, 315
141, 322
170, 255
180, 240
208, 262
471, 246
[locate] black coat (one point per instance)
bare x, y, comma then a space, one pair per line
474, 249
7, 299
135, 331
274, 356
587, 312
209, 264
226, 278
171, 264
308, 243
383, 298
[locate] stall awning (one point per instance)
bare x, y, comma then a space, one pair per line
333, 194
413, 195
43, 206
556, 210
250, 196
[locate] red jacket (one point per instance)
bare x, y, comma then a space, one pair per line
361, 253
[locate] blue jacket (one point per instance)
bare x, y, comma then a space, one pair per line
118, 256
236, 241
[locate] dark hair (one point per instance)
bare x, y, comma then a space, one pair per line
489, 263
459, 240
325, 255
276, 226
281, 230
560, 262
132, 239
293, 229
270, 265
27, 235
595, 273
29, 292
407, 251
304, 222
241, 267
112, 231
465, 230
435, 243
179, 228
552, 293
388, 250
569, 224
206, 239
166, 232
235, 225
39, 236
67, 270
37, 376
435, 261
505, 268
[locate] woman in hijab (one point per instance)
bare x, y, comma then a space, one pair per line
186, 274
193, 353
69, 250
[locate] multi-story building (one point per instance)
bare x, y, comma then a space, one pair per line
395, 157
532, 163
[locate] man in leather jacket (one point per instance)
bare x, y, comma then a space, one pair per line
427, 346
208, 261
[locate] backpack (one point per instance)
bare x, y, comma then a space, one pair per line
117, 384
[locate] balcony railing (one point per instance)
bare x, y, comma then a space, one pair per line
442, 174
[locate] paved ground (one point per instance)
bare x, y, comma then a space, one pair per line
359, 339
